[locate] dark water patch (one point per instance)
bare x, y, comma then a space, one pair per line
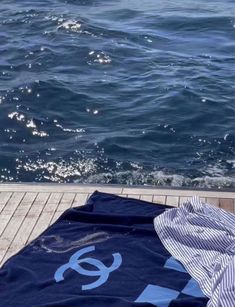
117, 92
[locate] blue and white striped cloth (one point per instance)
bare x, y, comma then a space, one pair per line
202, 238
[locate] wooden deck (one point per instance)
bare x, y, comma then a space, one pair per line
28, 209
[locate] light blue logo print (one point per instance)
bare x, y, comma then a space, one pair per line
103, 271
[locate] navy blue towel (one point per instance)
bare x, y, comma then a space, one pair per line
105, 253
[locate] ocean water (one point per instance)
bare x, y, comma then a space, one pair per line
124, 91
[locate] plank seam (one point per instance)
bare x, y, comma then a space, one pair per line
7, 202
56, 209
71, 202
13, 212
35, 223
10, 243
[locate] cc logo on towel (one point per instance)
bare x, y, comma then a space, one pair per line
103, 271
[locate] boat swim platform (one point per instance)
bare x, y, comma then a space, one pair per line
26, 210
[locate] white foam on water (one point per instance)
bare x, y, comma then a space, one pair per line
71, 25
98, 57
159, 178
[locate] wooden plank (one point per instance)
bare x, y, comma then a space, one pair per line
135, 196
14, 224
9, 210
65, 203
51, 187
68, 200
79, 188
179, 192
27, 226
103, 188
213, 201
46, 216
172, 201
148, 198
159, 199
80, 200
4, 198
226, 204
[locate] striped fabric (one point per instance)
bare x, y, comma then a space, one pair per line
202, 238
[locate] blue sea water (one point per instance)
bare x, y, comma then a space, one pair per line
124, 91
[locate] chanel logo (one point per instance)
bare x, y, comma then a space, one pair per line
102, 270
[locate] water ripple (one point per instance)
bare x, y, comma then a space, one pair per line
117, 92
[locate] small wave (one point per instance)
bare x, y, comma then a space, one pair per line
159, 178
19, 117
99, 57
71, 25
89, 171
